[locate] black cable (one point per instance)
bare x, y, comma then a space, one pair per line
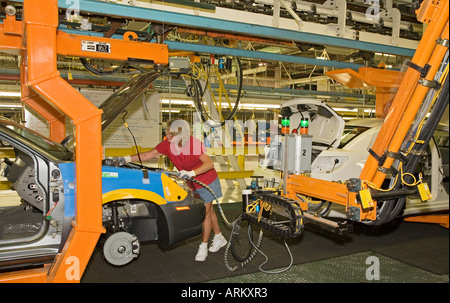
392, 208
425, 135
199, 93
134, 139
234, 233
97, 71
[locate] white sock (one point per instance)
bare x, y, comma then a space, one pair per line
204, 244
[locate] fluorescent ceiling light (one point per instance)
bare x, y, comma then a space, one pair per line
10, 94
354, 110
178, 102
259, 105
381, 54
10, 105
338, 109
224, 104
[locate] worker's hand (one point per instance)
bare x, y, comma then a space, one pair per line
187, 174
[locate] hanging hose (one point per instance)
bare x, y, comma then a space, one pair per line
196, 92
234, 231
134, 139
215, 198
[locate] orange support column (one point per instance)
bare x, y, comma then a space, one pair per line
55, 119
41, 20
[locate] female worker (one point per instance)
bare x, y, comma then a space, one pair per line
188, 156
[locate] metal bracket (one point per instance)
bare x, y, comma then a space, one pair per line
354, 185
386, 171
430, 84
354, 213
422, 70
376, 156
397, 156
443, 42
418, 153
145, 179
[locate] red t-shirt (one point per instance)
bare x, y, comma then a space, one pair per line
187, 158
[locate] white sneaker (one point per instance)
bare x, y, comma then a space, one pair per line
202, 252
218, 242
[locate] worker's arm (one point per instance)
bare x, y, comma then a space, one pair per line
207, 164
145, 155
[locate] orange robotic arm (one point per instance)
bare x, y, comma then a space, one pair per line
402, 112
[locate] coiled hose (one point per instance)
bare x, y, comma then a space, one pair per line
235, 232
235, 225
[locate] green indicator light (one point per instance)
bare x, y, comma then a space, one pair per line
284, 122
304, 123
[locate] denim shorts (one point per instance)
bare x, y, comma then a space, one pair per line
206, 195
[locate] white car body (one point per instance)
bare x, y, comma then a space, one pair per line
347, 162
352, 156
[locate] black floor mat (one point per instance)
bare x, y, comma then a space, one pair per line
422, 245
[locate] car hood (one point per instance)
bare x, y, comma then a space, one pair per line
120, 100
325, 125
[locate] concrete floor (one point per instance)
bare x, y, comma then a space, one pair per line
341, 269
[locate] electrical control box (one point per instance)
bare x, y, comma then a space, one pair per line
424, 191
366, 199
179, 64
298, 154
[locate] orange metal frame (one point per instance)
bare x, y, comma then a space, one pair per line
38, 41
441, 219
401, 114
379, 78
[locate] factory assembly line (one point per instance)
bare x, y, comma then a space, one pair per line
84, 198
